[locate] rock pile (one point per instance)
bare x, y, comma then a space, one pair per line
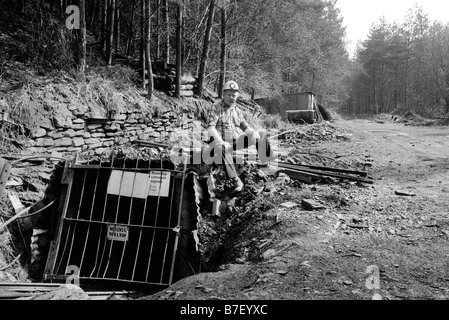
312, 134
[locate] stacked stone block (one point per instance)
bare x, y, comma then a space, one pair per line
82, 134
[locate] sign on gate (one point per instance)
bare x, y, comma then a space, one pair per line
117, 232
159, 183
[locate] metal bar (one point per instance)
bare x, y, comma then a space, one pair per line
330, 174
64, 214
116, 215
179, 224
90, 218
121, 224
150, 144
307, 178
101, 229
140, 233
78, 167
168, 232
155, 223
129, 216
300, 166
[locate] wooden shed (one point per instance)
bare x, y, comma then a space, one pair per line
298, 106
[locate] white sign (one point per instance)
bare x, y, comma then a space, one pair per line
128, 184
117, 232
159, 183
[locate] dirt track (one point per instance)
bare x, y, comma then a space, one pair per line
369, 241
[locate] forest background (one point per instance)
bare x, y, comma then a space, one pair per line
270, 48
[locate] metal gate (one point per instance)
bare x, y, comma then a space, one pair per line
120, 221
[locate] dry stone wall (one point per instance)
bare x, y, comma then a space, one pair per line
97, 135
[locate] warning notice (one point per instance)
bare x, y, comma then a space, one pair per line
159, 183
117, 232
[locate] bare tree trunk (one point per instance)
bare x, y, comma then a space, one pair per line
184, 54
131, 29
92, 15
82, 37
110, 37
222, 53
104, 24
148, 50
158, 30
178, 50
446, 94
117, 26
142, 42
64, 6
203, 63
167, 33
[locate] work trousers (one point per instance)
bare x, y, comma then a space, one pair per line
225, 156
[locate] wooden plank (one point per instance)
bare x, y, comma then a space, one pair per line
55, 244
51, 258
62, 197
28, 290
14, 295
26, 284
67, 174
15, 201
5, 170
22, 291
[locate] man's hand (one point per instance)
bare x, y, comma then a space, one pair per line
217, 138
226, 145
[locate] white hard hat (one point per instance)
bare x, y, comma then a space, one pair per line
231, 85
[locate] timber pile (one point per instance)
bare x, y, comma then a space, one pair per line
165, 80
310, 174
164, 76
188, 85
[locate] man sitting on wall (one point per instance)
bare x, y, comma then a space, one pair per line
230, 131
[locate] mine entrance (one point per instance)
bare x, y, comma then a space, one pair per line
120, 222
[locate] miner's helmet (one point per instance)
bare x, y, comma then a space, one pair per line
231, 85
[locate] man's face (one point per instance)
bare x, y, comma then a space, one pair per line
230, 97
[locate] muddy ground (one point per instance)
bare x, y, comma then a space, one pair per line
387, 240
